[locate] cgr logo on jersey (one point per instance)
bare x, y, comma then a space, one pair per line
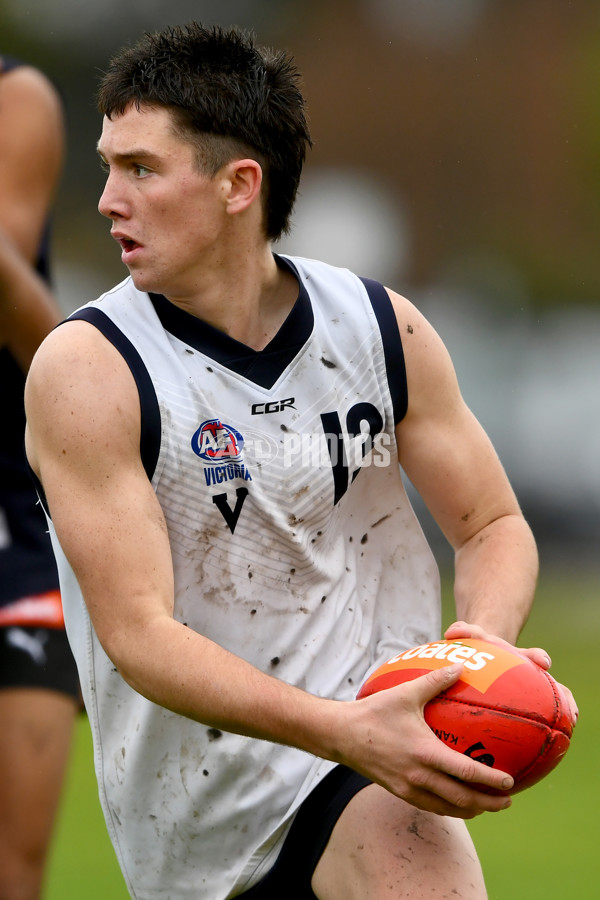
221, 447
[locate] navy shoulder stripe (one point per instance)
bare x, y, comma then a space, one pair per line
392, 346
150, 412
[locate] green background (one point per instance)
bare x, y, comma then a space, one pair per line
545, 846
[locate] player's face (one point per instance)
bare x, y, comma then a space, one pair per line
167, 216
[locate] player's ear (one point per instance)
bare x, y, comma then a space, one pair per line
245, 179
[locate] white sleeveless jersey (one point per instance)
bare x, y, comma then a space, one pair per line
294, 546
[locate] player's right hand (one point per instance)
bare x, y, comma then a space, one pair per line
390, 742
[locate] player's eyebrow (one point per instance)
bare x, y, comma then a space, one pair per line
135, 154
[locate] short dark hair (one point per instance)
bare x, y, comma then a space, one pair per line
227, 96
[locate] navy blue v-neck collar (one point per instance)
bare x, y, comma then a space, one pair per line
264, 366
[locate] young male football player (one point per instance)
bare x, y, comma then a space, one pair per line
217, 439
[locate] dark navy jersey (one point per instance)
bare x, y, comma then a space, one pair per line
27, 564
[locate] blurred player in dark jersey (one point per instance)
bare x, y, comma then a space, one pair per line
38, 680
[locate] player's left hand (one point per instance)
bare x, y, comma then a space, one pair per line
540, 657
459, 630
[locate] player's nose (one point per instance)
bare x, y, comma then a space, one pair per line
112, 203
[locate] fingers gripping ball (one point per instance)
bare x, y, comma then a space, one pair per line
504, 711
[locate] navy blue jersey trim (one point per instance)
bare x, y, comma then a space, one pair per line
150, 411
392, 346
263, 367
8, 63
39, 489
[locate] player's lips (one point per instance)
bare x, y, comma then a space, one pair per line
128, 245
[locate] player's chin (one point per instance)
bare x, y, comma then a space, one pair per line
145, 281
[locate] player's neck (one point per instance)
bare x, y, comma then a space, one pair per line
248, 297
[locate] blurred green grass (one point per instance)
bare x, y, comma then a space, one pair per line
546, 844
544, 848
82, 864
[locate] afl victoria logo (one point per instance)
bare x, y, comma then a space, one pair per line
215, 442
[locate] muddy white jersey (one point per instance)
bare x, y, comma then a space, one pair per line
294, 546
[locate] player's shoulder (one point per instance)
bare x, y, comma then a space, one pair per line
429, 367
26, 83
407, 313
74, 360
79, 394
71, 337
414, 327
31, 124
78, 339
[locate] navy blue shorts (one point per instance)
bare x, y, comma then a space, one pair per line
306, 840
33, 657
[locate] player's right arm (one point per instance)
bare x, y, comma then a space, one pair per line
83, 442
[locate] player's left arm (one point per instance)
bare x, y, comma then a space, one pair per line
32, 146
31, 156
451, 462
